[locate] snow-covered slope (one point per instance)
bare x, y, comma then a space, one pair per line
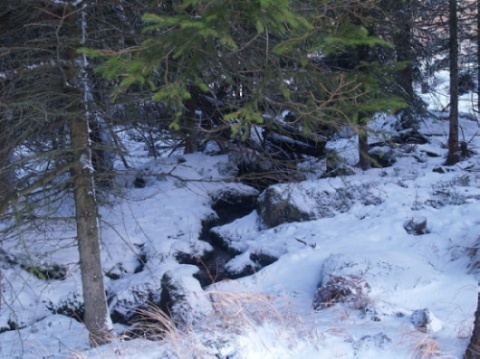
403, 295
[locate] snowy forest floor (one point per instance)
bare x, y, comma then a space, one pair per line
392, 280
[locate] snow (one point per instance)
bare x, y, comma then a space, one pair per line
403, 277
45, 339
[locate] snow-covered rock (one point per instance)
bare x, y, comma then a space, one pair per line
286, 203
416, 226
279, 204
425, 321
183, 297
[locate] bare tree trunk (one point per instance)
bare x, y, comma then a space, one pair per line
97, 319
473, 349
478, 56
102, 148
363, 157
405, 53
364, 161
190, 122
453, 148
403, 41
6, 151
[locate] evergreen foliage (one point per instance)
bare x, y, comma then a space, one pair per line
258, 58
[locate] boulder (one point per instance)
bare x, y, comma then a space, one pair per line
336, 166
232, 203
343, 279
424, 321
349, 289
183, 298
382, 157
276, 205
416, 226
124, 302
285, 203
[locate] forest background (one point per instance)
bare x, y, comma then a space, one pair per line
270, 83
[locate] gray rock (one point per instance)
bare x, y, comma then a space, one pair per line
276, 207
416, 226
183, 298
424, 321
342, 289
285, 203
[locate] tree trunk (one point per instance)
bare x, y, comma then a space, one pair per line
473, 349
6, 151
363, 157
453, 150
403, 41
404, 46
102, 152
478, 56
190, 129
97, 319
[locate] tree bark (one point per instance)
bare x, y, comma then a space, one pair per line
404, 46
478, 56
102, 148
453, 150
190, 121
473, 349
403, 42
363, 158
97, 319
6, 170
364, 161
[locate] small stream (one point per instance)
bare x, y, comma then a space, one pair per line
212, 264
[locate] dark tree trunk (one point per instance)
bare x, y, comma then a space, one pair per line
102, 148
453, 150
403, 41
364, 161
363, 157
478, 56
473, 349
190, 127
6, 170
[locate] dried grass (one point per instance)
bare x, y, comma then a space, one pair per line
426, 348
243, 308
236, 312
156, 325
351, 289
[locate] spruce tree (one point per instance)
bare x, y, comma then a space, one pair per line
255, 58
48, 99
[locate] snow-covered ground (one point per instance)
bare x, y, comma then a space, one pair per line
392, 279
